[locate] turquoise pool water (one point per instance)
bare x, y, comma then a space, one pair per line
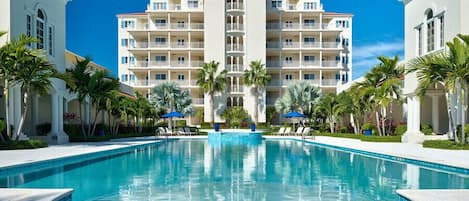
270, 170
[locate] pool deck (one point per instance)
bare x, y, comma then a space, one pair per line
35, 194
434, 195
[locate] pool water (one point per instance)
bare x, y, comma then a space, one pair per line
270, 170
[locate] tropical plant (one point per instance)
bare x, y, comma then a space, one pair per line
330, 106
234, 116
170, 97
211, 81
449, 70
270, 114
257, 77
301, 97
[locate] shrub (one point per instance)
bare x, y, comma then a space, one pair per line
381, 138
234, 116
426, 129
43, 129
400, 130
343, 130
368, 126
28, 144
445, 144
205, 125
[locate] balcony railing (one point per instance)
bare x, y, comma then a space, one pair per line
162, 26
290, 45
272, 63
139, 64
290, 64
234, 27
234, 48
310, 26
182, 83
311, 63
179, 64
234, 6
138, 45
158, 63
197, 26
235, 68
311, 45
198, 101
235, 89
180, 45
290, 26
330, 44
159, 45
273, 26
196, 64
330, 63
329, 82
181, 26
148, 83
197, 45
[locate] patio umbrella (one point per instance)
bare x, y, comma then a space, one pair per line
292, 115
171, 115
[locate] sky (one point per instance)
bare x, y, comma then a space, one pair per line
378, 29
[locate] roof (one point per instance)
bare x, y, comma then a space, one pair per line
338, 14
75, 55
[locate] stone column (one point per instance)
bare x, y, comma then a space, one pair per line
413, 134
436, 113
54, 115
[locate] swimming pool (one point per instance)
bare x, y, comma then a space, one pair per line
270, 170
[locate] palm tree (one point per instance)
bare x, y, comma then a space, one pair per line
330, 105
33, 74
301, 96
211, 82
450, 70
257, 77
170, 97
11, 56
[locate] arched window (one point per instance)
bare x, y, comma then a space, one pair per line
430, 30
40, 29
228, 102
240, 102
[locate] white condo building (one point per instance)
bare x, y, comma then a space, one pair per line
296, 39
429, 24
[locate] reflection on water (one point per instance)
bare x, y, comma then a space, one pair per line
271, 170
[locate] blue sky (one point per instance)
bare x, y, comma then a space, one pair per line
378, 28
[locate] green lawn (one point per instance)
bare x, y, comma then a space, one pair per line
445, 144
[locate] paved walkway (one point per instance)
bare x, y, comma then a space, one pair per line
411, 151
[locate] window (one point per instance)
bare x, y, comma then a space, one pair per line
160, 40
124, 60
337, 76
345, 42
342, 24
180, 42
181, 24
160, 58
51, 41
419, 41
132, 78
127, 24
276, 3
309, 40
310, 5
442, 30
181, 60
159, 6
124, 42
309, 76
28, 25
40, 29
288, 77
132, 42
160, 22
192, 3
160, 76
430, 30
181, 77
337, 58
288, 24
309, 22
288, 60
309, 58
124, 78
132, 60
288, 42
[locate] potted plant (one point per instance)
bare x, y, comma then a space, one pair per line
253, 127
368, 129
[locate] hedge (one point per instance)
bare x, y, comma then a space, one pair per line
445, 144
27, 144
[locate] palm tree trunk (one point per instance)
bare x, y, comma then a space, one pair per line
6, 93
354, 123
95, 121
378, 122
463, 114
383, 120
256, 105
212, 111
452, 125
82, 121
23, 114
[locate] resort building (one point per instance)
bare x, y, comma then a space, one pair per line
429, 24
296, 39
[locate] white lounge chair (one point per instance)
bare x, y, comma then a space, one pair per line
168, 131
287, 131
299, 131
181, 131
306, 131
188, 131
281, 131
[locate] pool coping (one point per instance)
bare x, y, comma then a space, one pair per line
433, 194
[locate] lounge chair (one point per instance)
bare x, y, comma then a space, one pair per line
181, 131
160, 131
281, 131
287, 131
169, 131
306, 131
299, 131
188, 131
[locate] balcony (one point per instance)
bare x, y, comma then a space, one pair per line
198, 101
147, 83
139, 64
234, 6
334, 45
234, 27
329, 82
159, 64
179, 64
316, 82
139, 45
196, 63
236, 89
197, 45
159, 45
272, 26
311, 45
234, 48
311, 63
179, 45
330, 63
310, 26
290, 26
197, 26
160, 26
179, 26
235, 68
273, 45
291, 45
182, 83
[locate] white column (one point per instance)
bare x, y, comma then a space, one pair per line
55, 114
413, 134
436, 113
60, 115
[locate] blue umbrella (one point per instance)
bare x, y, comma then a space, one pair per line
294, 115
173, 114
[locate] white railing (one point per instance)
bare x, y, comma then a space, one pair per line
313, 82
182, 26
140, 64
196, 63
329, 82
198, 101
311, 26
330, 63
311, 45
290, 45
162, 26
273, 26
234, 6
182, 83
330, 45
272, 63
234, 48
194, 82
234, 27
290, 25
146, 83
179, 64
291, 64
175, 7
158, 63
139, 45
292, 7
142, 26
159, 45
235, 89
273, 45
197, 45
179, 45
197, 26
311, 63
236, 68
